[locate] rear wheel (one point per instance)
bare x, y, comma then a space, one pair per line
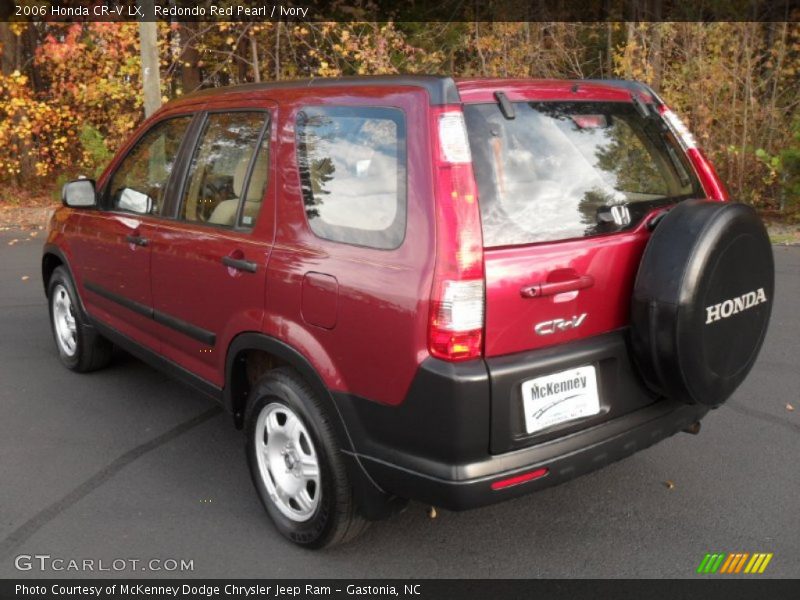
295, 463
80, 347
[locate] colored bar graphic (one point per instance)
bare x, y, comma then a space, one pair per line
717, 563
727, 564
733, 563
741, 562
764, 564
703, 563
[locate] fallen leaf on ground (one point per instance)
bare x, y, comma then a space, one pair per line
12, 242
669, 485
25, 277
34, 233
789, 407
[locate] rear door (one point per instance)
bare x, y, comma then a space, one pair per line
209, 260
565, 191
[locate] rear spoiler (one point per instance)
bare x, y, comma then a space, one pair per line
626, 84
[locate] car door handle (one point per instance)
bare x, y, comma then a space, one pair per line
551, 288
137, 240
239, 264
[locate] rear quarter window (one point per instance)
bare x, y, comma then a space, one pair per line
562, 170
352, 163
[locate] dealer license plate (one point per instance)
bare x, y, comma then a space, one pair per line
560, 397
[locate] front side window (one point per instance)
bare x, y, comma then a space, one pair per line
352, 163
228, 173
139, 183
561, 170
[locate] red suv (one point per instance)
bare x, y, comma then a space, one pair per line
455, 292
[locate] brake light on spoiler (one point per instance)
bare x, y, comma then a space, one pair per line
712, 184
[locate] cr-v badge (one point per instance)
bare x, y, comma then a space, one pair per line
549, 327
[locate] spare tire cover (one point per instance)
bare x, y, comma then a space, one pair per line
702, 301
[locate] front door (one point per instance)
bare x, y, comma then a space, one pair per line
112, 246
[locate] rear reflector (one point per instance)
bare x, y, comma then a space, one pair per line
517, 479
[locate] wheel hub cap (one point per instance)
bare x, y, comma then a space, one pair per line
64, 324
287, 462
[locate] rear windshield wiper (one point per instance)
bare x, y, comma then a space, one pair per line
505, 105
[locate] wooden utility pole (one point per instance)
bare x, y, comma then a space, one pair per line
151, 80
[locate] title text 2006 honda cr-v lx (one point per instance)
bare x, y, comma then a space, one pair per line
455, 292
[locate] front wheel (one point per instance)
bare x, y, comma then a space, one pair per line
80, 347
295, 463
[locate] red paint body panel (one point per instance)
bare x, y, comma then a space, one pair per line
103, 256
611, 260
190, 283
381, 324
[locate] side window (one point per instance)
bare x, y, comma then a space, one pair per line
139, 183
352, 163
226, 181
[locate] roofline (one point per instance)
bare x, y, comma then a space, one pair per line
441, 90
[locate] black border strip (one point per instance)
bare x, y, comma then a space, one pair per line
744, 587
193, 331
465, 11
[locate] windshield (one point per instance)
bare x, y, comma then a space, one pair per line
561, 170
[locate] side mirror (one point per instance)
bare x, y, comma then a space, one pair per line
79, 193
136, 202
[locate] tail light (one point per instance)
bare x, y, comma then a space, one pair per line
712, 184
456, 322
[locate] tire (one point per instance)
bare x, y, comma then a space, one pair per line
702, 301
80, 347
289, 432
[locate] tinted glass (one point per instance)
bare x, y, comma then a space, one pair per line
145, 171
352, 163
219, 176
562, 170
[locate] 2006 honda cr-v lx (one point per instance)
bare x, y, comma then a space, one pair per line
455, 292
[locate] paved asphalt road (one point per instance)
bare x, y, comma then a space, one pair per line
126, 463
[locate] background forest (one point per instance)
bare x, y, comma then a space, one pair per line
71, 93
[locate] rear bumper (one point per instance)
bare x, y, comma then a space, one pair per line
452, 487
440, 446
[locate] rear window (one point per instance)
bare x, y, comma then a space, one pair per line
562, 170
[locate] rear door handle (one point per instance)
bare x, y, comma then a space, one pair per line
137, 240
538, 290
239, 264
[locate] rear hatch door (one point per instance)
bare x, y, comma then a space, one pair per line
566, 188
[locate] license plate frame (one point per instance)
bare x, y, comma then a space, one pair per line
562, 397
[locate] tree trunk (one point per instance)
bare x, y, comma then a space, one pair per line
630, 33
190, 71
151, 79
277, 51
254, 58
11, 48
